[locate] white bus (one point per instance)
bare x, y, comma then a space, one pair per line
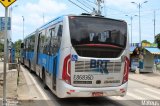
80, 56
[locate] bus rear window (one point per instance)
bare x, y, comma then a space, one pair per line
98, 35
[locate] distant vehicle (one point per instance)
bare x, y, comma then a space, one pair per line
80, 56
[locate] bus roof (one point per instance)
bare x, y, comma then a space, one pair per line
97, 16
51, 22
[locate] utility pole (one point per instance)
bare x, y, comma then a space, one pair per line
154, 20
23, 27
5, 57
131, 18
43, 19
139, 5
99, 6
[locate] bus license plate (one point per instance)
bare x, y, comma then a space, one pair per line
97, 93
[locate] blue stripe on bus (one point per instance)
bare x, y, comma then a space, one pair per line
29, 56
42, 60
47, 62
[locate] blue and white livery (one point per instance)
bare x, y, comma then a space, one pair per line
80, 56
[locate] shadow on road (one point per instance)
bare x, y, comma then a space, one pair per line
96, 101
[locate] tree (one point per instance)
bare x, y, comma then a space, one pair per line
145, 41
17, 45
1, 47
158, 40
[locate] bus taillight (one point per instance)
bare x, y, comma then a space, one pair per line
66, 75
126, 70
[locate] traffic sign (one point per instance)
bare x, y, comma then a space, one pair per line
2, 23
7, 3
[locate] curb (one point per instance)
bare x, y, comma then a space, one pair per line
145, 83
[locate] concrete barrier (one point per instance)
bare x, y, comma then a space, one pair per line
12, 66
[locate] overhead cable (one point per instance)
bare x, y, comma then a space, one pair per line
84, 5
78, 6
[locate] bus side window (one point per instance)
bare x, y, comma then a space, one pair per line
59, 33
56, 39
39, 42
22, 45
27, 44
32, 42
52, 43
42, 43
47, 40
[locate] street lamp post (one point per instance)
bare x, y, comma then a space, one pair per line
131, 18
43, 19
139, 5
23, 26
154, 20
11, 9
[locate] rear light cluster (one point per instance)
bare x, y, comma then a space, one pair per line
66, 74
126, 70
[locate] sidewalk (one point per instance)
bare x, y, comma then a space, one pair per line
11, 84
151, 79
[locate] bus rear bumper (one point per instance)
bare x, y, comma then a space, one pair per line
65, 90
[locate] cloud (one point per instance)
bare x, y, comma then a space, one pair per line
45, 6
33, 13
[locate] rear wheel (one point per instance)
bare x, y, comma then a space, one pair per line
30, 69
44, 79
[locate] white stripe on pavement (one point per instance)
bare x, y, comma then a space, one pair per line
151, 90
136, 97
145, 93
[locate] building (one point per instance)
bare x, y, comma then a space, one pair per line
144, 59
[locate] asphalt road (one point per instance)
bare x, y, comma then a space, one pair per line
137, 94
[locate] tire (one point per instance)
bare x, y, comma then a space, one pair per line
43, 80
30, 70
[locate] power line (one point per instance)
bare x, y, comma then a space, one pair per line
84, 5
91, 2
78, 5
88, 3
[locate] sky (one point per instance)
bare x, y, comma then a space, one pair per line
38, 12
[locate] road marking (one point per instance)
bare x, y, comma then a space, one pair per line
124, 100
135, 96
151, 90
145, 93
